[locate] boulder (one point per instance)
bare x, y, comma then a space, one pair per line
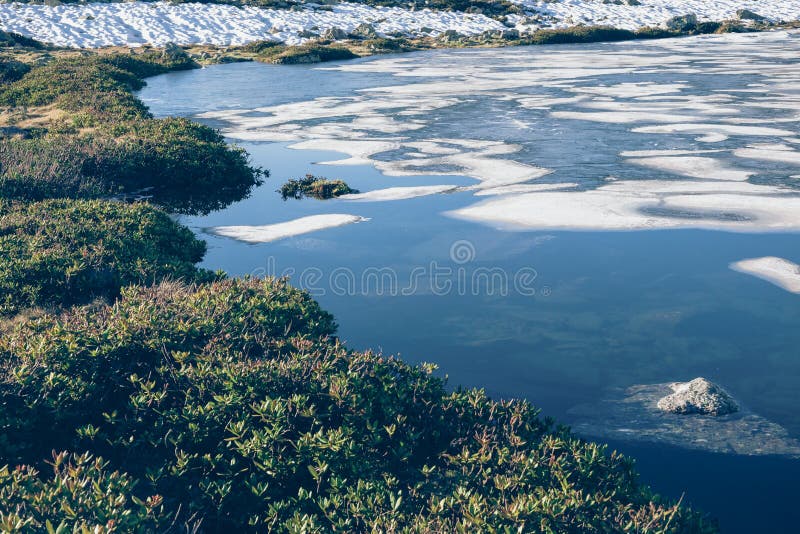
450, 36
174, 52
509, 35
334, 34
682, 23
746, 14
699, 396
631, 414
364, 31
307, 34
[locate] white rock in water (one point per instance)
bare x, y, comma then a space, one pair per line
698, 397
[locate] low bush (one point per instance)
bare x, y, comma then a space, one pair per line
107, 143
58, 166
655, 32
67, 82
80, 495
258, 47
230, 402
316, 187
188, 167
13, 40
63, 252
306, 54
382, 44
11, 70
579, 34
181, 165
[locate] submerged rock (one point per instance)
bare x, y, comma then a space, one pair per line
698, 397
632, 414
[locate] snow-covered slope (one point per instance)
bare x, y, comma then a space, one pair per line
136, 23
656, 12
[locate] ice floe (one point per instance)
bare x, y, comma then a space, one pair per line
778, 153
358, 150
427, 123
693, 166
615, 117
642, 205
779, 271
400, 193
524, 188
274, 232
715, 129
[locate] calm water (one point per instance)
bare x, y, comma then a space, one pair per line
597, 309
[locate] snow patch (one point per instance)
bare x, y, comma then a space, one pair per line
95, 25
781, 272
274, 232
694, 167
399, 193
645, 205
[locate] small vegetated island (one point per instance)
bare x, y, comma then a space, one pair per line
141, 393
315, 187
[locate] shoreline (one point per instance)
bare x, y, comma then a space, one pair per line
309, 33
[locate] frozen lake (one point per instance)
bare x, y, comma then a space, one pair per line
555, 223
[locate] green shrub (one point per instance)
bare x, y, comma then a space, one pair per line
189, 166
184, 166
579, 34
708, 27
314, 186
386, 45
230, 401
11, 39
308, 54
92, 83
258, 47
64, 252
11, 70
58, 166
68, 78
654, 32
80, 496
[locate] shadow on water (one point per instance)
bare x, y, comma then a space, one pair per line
747, 495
